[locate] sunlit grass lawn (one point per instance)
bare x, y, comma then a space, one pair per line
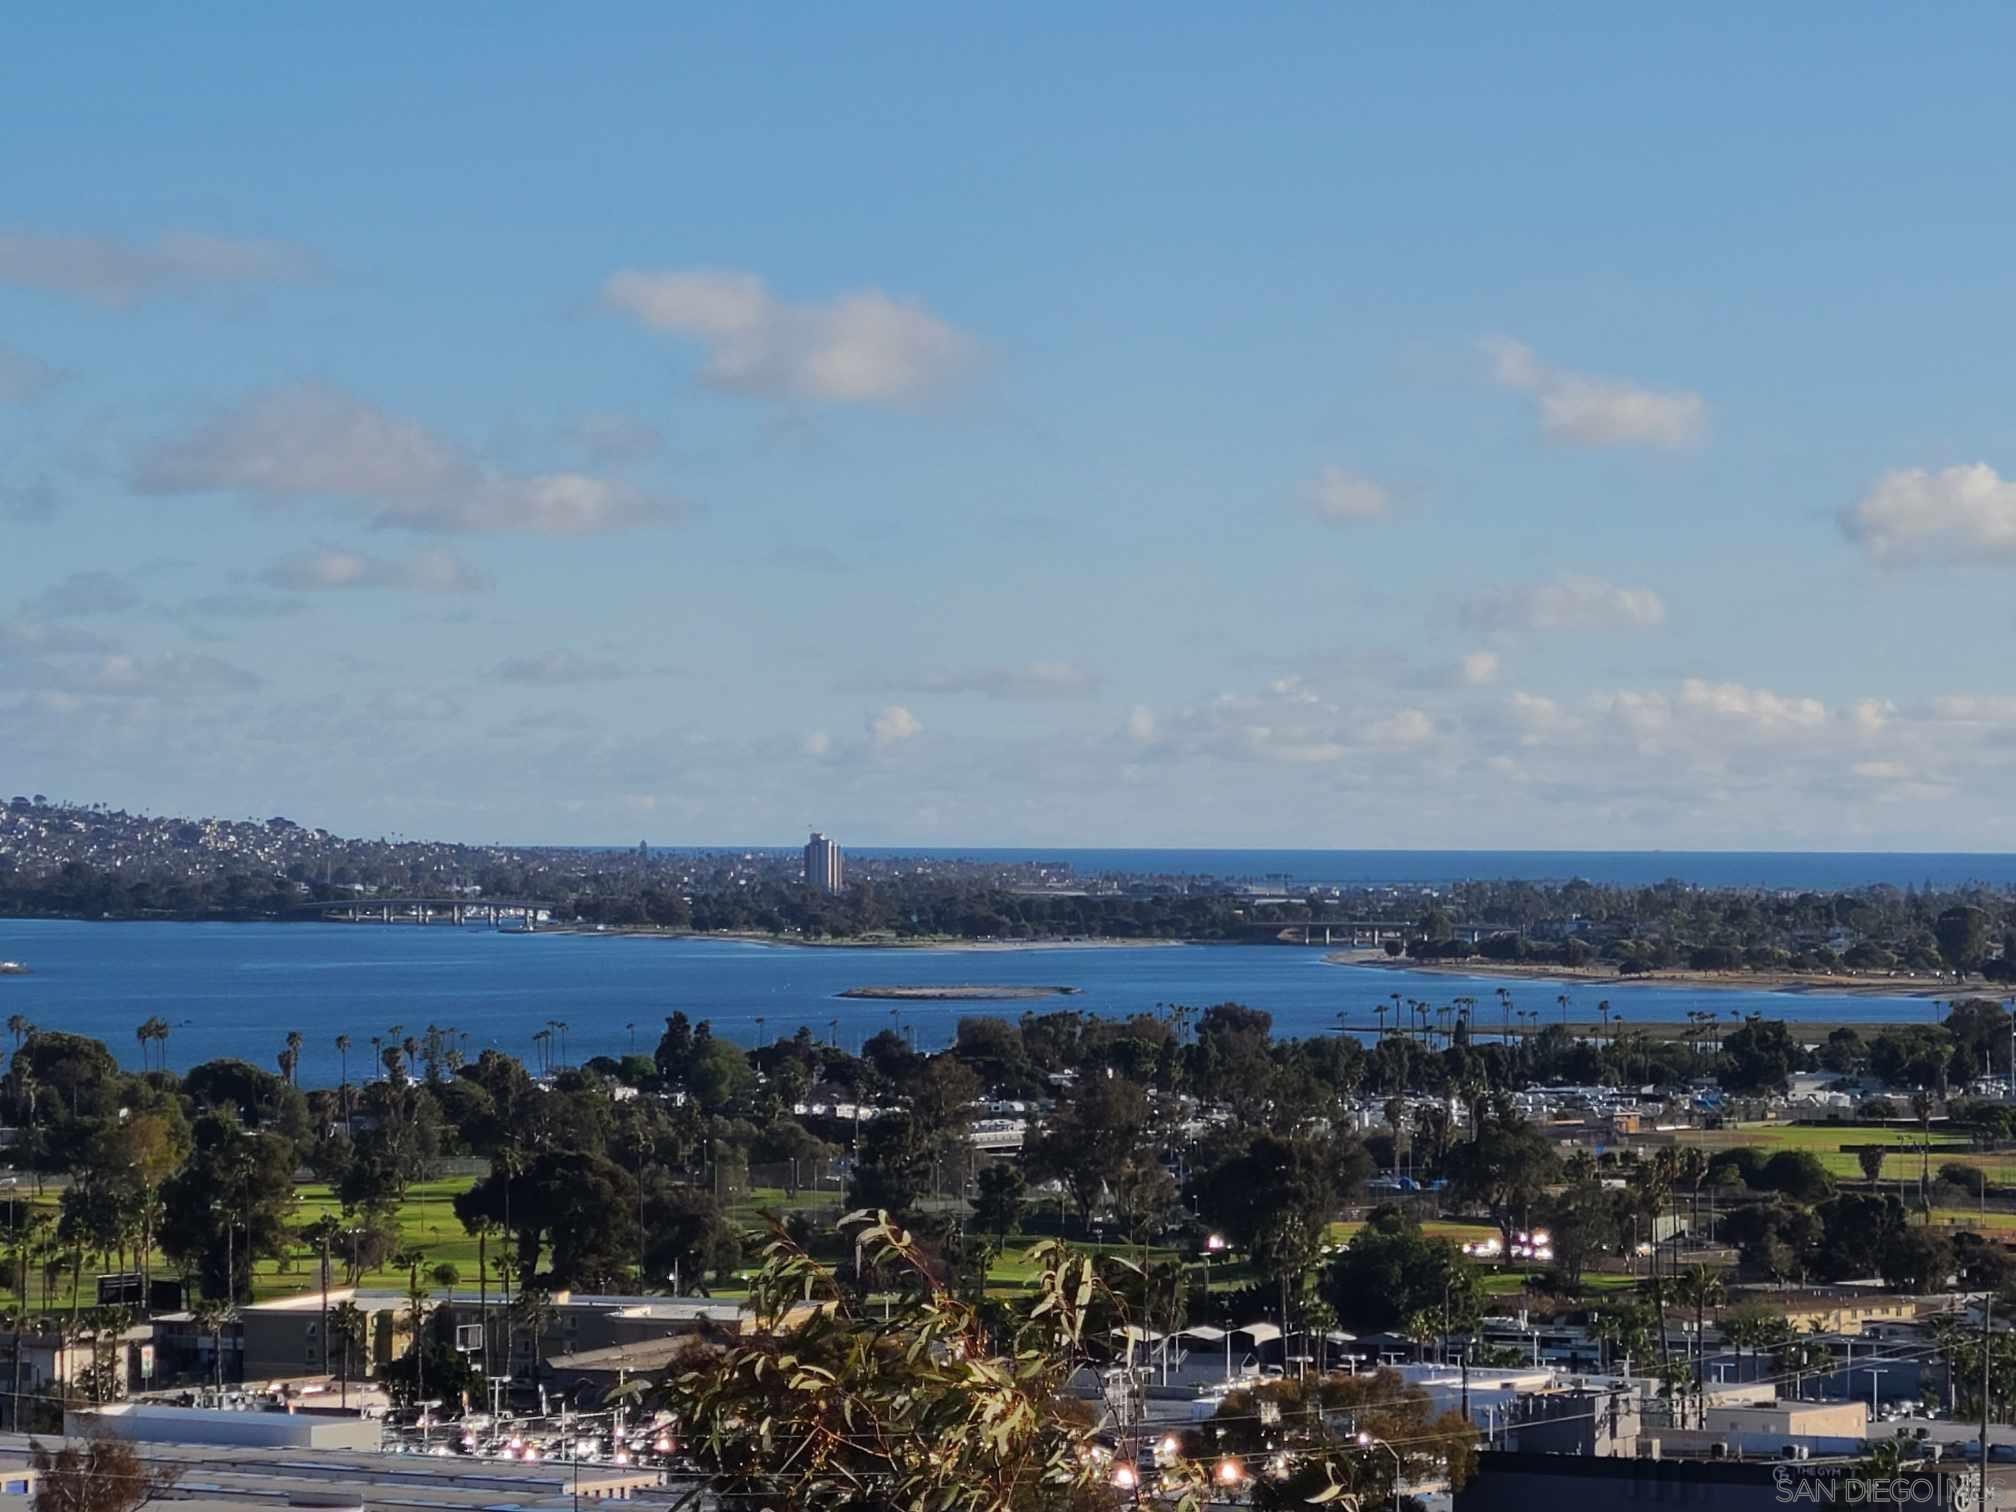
1835, 1148
426, 1220
1463, 1231
1814, 1137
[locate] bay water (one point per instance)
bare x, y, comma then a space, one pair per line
237, 989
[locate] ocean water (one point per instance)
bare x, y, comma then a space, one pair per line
237, 989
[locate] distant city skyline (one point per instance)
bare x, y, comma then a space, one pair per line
1305, 428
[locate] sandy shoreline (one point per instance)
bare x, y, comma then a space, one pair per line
967, 993
1713, 981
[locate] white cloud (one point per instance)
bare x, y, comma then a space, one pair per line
1975, 708
1031, 682
1568, 603
1407, 727
1962, 515
818, 743
313, 442
1347, 498
1870, 715
326, 569
1141, 724
857, 348
892, 726
1759, 707
107, 270
23, 377
1480, 669
1588, 411
1536, 717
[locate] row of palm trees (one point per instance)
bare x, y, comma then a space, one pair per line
1429, 1020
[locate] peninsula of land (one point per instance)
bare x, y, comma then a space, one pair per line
970, 993
1843, 984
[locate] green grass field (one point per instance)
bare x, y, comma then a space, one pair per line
1834, 1148
1460, 1230
427, 1222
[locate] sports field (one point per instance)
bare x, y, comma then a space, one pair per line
1836, 1147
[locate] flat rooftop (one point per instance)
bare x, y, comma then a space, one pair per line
329, 1478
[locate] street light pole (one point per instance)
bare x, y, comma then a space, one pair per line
1367, 1441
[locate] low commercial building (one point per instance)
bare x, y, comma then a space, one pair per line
282, 1338
1772, 1429
147, 1422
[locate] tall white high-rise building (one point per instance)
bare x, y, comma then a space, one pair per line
825, 868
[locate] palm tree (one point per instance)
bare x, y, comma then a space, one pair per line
1653, 1181
20, 1028
1704, 1288
1921, 1109
534, 1312
213, 1316
1690, 1169
346, 1326
343, 1054
411, 1259
294, 1043
1888, 1459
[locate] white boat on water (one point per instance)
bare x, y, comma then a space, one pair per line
12, 968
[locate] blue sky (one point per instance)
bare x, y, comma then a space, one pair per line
1162, 425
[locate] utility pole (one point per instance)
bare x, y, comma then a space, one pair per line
1987, 1307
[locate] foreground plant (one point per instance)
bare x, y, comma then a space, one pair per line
916, 1400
